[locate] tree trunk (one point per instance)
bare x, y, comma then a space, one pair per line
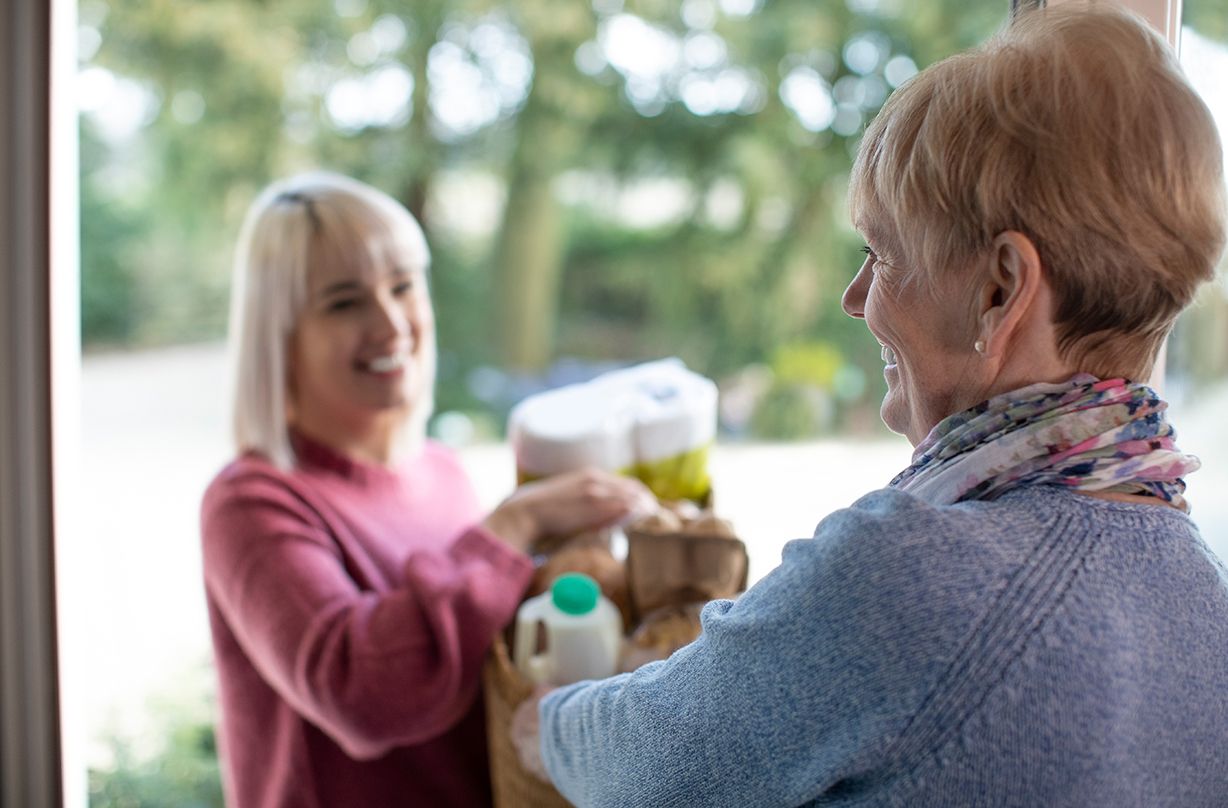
528, 263
528, 257
429, 18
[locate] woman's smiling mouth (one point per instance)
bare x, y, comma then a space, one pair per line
384, 364
888, 355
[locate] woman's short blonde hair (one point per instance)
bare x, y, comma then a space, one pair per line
293, 222
1074, 126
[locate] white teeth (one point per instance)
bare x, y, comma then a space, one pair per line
387, 364
888, 355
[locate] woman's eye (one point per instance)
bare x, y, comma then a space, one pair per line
341, 304
403, 288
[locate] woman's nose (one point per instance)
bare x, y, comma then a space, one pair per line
390, 318
854, 300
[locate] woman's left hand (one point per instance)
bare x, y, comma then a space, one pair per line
567, 504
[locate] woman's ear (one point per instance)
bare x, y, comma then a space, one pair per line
1010, 291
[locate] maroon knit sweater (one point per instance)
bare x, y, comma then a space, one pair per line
351, 607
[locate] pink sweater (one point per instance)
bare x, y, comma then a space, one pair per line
351, 608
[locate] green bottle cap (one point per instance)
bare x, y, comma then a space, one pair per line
575, 593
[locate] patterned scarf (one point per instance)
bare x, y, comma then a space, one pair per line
1085, 434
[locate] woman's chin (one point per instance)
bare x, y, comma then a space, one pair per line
899, 420
893, 413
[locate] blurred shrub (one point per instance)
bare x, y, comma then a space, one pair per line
171, 763
184, 773
810, 389
790, 411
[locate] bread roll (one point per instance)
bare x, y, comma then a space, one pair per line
597, 563
661, 633
661, 522
684, 509
709, 524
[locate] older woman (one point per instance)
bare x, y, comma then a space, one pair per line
352, 583
1026, 615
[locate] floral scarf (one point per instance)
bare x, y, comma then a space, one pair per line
1084, 433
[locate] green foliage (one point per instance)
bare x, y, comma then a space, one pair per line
181, 772
792, 412
1208, 17
816, 364
462, 301
186, 775
238, 94
753, 257
173, 761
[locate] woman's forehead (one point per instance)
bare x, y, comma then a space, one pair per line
360, 264
877, 228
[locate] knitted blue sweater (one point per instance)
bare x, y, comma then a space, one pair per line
1043, 649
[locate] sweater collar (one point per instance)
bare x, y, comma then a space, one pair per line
311, 454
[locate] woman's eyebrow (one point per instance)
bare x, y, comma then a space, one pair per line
402, 271
882, 242
339, 288
868, 231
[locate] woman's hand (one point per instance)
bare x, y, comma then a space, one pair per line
567, 504
525, 730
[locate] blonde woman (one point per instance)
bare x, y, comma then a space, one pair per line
1026, 615
353, 585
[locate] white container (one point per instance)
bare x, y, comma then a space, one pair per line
675, 410
618, 421
581, 628
570, 428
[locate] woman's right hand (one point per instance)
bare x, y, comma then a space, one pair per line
567, 504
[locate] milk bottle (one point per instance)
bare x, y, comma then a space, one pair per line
582, 632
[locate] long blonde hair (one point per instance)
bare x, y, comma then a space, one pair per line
317, 213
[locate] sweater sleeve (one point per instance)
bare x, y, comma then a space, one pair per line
374, 670
790, 691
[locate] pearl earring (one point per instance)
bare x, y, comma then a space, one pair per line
979, 346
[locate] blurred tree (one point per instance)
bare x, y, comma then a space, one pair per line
1207, 17
528, 255
758, 114
613, 179
236, 92
181, 771
110, 292
185, 774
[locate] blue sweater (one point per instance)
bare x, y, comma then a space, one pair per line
1043, 649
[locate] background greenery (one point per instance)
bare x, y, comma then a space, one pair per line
713, 120
682, 108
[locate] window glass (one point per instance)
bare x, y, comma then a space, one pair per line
694, 158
